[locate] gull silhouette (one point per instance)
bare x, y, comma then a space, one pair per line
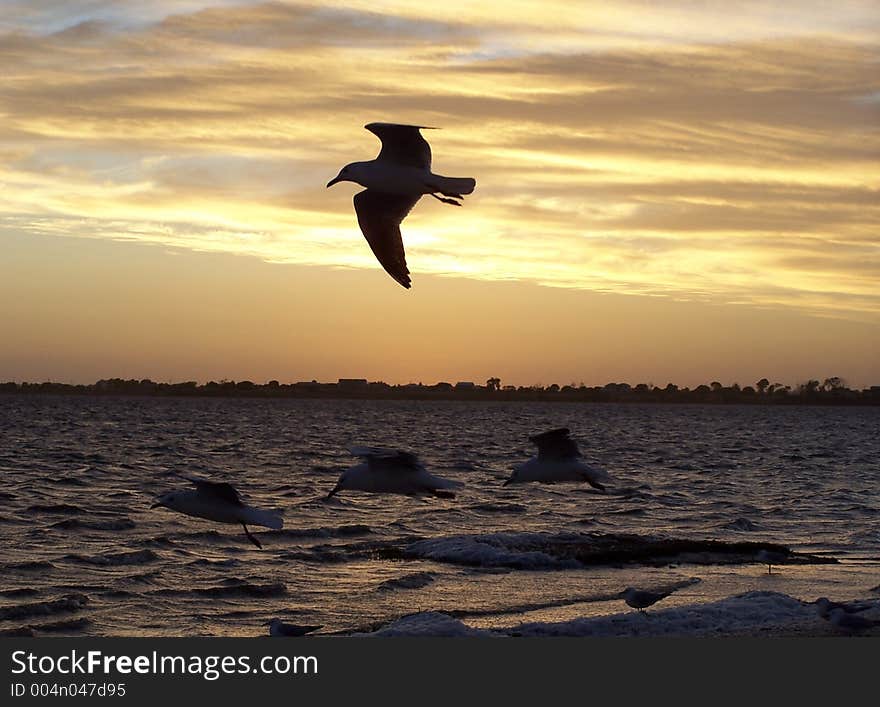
395, 181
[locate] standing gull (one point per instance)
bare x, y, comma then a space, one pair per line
559, 459
220, 502
392, 471
641, 599
771, 557
398, 177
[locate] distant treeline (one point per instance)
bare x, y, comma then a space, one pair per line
831, 391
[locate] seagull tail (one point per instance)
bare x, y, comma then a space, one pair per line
267, 519
453, 186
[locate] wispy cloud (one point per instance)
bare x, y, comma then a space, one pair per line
649, 151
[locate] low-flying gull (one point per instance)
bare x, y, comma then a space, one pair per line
851, 623
771, 557
398, 177
559, 459
220, 502
278, 628
641, 599
392, 471
824, 607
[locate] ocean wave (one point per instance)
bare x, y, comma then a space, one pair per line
76, 524
204, 562
115, 559
242, 590
571, 550
416, 580
20, 632
324, 532
55, 509
495, 550
30, 566
67, 603
498, 508
741, 524
64, 481
69, 626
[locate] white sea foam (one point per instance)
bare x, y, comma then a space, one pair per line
427, 623
491, 550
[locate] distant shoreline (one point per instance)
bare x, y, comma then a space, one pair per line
811, 393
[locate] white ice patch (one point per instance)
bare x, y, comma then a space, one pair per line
741, 613
492, 550
752, 612
427, 623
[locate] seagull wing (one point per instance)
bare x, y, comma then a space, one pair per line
379, 216
402, 144
387, 459
555, 444
218, 489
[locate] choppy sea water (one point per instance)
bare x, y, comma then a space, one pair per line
81, 552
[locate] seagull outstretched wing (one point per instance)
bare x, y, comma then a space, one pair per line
379, 216
555, 444
402, 144
390, 459
218, 489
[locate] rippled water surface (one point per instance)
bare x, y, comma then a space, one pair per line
82, 553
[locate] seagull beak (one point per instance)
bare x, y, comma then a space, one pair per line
336, 489
508, 482
157, 504
333, 181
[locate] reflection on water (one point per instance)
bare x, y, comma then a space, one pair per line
82, 553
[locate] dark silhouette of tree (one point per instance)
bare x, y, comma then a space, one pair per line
809, 388
832, 391
833, 383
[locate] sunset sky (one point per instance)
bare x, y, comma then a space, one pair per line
682, 191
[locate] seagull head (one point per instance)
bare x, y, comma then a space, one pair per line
349, 173
357, 478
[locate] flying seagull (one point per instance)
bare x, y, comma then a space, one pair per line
398, 177
824, 607
850, 622
641, 599
220, 502
558, 460
278, 628
392, 471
